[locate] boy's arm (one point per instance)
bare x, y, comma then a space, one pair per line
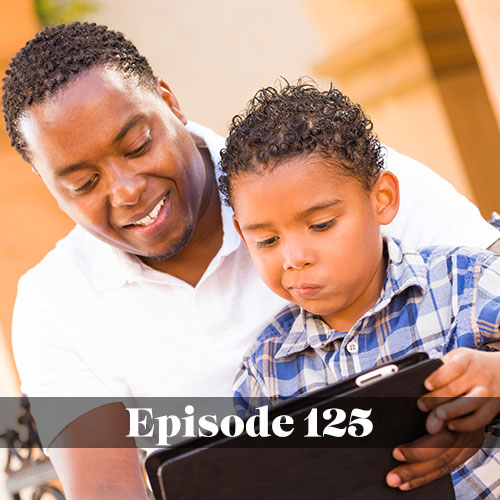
479, 477
465, 371
247, 392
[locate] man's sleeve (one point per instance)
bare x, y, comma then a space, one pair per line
431, 211
50, 369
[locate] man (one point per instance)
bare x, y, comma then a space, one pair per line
153, 293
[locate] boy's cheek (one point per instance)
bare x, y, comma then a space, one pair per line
271, 274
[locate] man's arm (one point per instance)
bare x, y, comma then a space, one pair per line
105, 473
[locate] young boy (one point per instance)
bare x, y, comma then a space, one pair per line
303, 173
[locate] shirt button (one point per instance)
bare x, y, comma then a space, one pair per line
352, 347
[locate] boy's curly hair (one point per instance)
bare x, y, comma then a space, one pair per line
55, 57
280, 124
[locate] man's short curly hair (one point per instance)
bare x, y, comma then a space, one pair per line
55, 57
281, 124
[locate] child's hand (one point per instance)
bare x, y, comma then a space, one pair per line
469, 373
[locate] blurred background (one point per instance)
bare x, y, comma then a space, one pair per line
425, 71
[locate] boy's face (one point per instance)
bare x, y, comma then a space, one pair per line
313, 234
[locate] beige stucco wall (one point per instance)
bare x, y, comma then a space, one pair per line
482, 20
376, 56
216, 54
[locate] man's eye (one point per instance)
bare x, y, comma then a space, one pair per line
323, 226
87, 186
141, 149
267, 243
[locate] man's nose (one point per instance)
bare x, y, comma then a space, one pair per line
296, 255
126, 186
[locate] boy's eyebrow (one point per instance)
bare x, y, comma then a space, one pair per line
321, 206
118, 137
308, 211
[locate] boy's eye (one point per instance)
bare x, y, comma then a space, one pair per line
267, 243
323, 226
87, 186
141, 149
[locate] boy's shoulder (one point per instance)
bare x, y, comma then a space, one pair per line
454, 261
446, 257
274, 334
446, 275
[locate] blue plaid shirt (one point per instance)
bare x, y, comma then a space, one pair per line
433, 300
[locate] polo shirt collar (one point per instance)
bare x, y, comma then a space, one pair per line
406, 268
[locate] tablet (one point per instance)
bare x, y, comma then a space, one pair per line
301, 466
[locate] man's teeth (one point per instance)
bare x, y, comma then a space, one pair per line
151, 217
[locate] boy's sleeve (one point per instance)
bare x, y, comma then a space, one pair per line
479, 477
247, 392
486, 316
431, 211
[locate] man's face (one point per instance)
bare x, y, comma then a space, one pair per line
314, 237
119, 161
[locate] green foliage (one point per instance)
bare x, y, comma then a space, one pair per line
62, 11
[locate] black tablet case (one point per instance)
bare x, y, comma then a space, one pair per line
236, 468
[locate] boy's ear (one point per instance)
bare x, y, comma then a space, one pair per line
386, 192
169, 98
238, 229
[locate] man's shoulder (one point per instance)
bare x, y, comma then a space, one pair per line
70, 259
275, 333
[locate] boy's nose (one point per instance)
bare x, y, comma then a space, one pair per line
296, 256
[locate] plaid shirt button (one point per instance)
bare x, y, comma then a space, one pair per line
352, 347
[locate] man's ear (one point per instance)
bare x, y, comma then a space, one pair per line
169, 98
386, 192
238, 229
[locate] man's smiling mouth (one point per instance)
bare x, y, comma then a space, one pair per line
152, 216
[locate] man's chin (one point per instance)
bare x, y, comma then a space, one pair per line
173, 248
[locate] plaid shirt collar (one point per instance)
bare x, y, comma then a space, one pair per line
405, 269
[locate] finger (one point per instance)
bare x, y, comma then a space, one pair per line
434, 424
457, 387
425, 447
462, 406
477, 420
431, 457
455, 365
412, 475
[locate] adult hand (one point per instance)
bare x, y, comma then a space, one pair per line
432, 457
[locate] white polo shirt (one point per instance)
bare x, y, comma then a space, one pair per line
91, 320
